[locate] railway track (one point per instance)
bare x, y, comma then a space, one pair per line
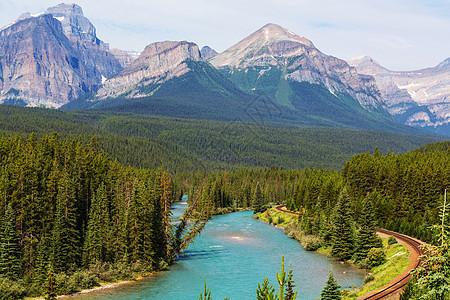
400, 281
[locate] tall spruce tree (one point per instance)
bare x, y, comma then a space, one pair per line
290, 294
258, 201
9, 246
66, 248
331, 290
97, 235
50, 286
42, 260
342, 237
158, 238
366, 236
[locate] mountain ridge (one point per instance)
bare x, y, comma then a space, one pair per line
418, 98
44, 65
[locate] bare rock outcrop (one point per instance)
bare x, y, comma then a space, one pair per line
159, 61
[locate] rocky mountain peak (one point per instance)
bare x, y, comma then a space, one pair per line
208, 52
273, 46
420, 97
444, 64
158, 61
263, 47
363, 59
366, 65
163, 56
75, 23
271, 33
50, 58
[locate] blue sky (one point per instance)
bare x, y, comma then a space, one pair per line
399, 34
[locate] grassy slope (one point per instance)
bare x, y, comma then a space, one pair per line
396, 264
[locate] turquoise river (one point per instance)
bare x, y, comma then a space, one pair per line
233, 254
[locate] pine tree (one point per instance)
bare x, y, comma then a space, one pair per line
66, 248
433, 274
342, 237
257, 201
130, 239
331, 290
366, 236
97, 235
166, 198
42, 260
290, 294
206, 295
50, 288
158, 238
9, 246
265, 291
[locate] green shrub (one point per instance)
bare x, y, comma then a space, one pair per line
362, 264
269, 218
375, 257
11, 290
311, 242
163, 265
368, 278
345, 292
392, 240
279, 220
292, 231
85, 279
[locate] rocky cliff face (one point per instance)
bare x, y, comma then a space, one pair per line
420, 98
158, 62
300, 60
48, 61
208, 52
75, 24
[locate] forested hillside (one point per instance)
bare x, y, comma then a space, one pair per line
406, 189
183, 145
65, 206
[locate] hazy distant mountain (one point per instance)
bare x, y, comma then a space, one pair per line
48, 60
208, 52
417, 98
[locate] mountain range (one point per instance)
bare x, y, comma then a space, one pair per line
55, 59
418, 98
